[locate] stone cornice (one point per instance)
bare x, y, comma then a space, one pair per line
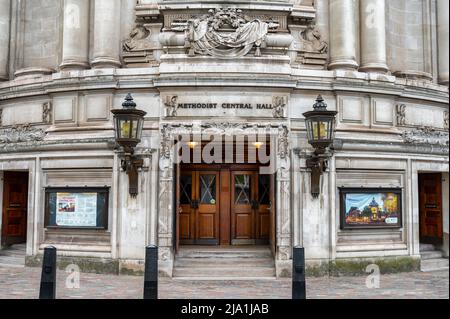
58, 145
147, 78
390, 147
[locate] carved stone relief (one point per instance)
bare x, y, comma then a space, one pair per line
138, 48
171, 105
47, 109
205, 35
279, 106
312, 40
427, 135
401, 114
310, 50
21, 133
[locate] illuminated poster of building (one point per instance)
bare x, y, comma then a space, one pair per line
370, 208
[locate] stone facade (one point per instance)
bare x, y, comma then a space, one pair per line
383, 65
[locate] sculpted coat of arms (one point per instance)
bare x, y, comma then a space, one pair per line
226, 33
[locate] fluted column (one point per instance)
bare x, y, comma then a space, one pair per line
373, 36
76, 35
5, 20
106, 52
342, 35
443, 34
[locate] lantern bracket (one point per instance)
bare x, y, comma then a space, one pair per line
318, 163
131, 165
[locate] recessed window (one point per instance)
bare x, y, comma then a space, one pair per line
76, 208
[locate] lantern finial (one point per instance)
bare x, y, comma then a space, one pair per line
129, 102
320, 104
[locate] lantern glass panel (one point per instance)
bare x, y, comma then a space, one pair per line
125, 128
140, 127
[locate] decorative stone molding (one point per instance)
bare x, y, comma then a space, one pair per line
446, 119
47, 109
179, 21
171, 106
171, 131
400, 114
427, 135
20, 134
279, 106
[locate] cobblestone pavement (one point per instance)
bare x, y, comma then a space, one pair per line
24, 283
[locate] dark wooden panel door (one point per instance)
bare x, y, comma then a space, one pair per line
263, 207
430, 206
207, 203
15, 198
242, 207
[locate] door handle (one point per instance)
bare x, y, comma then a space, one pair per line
255, 204
195, 204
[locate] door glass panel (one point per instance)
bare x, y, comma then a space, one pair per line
242, 191
185, 189
264, 189
208, 189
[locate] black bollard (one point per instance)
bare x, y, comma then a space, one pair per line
48, 277
298, 274
151, 273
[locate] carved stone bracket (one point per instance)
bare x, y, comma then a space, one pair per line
21, 134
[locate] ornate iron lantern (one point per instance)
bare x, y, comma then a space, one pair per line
320, 127
128, 125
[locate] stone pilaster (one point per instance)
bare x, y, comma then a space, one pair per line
443, 44
342, 35
5, 20
373, 36
106, 52
76, 35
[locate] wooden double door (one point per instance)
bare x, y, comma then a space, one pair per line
225, 206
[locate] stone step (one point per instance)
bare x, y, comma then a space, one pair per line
434, 264
224, 272
427, 247
6, 265
12, 253
214, 262
432, 254
224, 254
